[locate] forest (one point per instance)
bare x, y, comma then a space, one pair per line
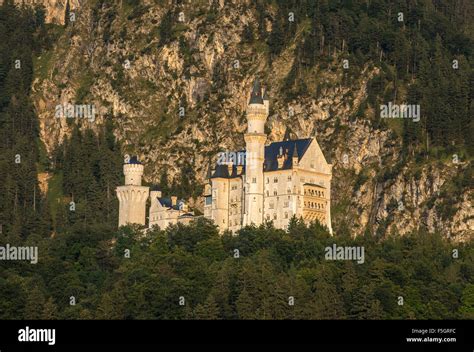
89, 269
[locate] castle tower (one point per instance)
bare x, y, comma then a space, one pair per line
133, 195
257, 113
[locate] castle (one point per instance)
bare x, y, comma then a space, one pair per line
264, 183
133, 198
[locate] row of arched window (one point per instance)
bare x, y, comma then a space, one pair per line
314, 205
286, 215
314, 192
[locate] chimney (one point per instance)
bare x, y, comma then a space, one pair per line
207, 189
229, 167
295, 156
280, 158
174, 200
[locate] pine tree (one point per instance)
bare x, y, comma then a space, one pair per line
50, 311
207, 311
245, 306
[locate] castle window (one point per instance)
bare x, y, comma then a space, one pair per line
286, 204
254, 180
275, 192
289, 178
286, 215
268, 193
272, 205
268, 180
274, 216
275, 180
268, 217
288, 191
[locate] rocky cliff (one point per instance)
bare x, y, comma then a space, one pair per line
55, 10
177, 95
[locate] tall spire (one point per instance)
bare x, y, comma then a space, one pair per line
295, 152
287, 136
256, 96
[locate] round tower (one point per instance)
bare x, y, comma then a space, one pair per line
133, 174
257, 112
132, 196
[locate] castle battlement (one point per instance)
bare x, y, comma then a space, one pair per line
133, 174
256, 111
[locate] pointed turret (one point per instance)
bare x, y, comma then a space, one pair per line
295, 156
266, 101
256, 96
287, 136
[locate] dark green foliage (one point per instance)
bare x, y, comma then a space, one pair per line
416, 55
166, 27
92, 169
248, 36
274, 268
21, 205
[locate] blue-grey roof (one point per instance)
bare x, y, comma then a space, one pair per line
166, 202
134, 160
289, 148
223, 171
298, 146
